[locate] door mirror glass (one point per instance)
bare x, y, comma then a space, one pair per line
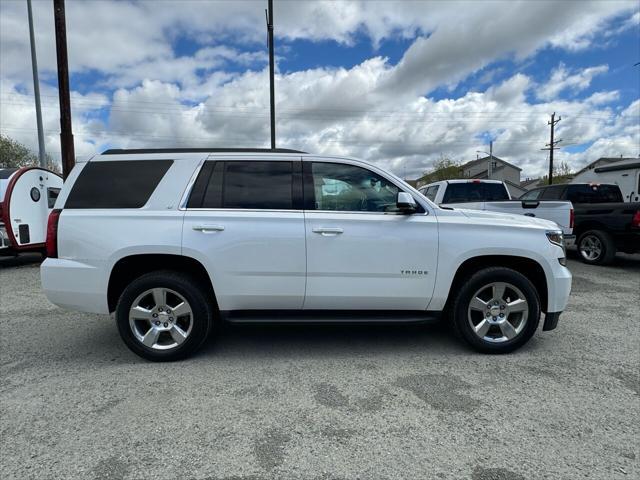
406, 203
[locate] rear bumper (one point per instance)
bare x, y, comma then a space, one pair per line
74, 285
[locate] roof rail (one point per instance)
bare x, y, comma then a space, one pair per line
120, 151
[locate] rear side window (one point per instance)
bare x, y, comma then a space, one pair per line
250, 185
475, 192
552, 193
594, 194
117, 184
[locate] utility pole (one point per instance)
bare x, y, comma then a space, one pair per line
490, 167
551, 146
66, 133
36, 89
271, 73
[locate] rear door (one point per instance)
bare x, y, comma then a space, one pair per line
361, 253
245, 223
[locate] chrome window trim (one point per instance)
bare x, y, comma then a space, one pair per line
187, 191
256, 210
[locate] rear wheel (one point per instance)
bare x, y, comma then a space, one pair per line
163, 316
596, 247
497, 310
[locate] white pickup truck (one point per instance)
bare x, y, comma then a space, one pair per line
493, 196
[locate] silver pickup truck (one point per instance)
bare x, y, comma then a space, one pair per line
493, 195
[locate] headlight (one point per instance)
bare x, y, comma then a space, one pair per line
556, 238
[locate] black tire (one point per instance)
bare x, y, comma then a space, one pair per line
201, 318
484, 278
602, 239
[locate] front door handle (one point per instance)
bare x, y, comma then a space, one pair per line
328, 231
208, 228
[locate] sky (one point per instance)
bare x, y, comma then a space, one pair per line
399, 83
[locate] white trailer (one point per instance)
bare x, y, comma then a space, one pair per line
27, 196
625, 174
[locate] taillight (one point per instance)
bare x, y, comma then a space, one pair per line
52, 233
572, 218
635, 222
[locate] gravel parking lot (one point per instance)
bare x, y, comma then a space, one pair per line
323, 402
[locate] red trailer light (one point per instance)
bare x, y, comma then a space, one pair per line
635, 222
572, 218
52, 233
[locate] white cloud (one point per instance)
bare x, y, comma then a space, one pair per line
562, 79
374, 110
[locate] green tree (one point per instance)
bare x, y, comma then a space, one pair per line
443, 169
13, 154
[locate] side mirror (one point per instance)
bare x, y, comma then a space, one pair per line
406, 203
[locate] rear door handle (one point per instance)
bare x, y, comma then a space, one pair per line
208, 228
328, 231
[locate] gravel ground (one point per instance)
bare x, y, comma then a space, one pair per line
323, 402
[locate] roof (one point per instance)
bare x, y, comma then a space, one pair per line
515, 185
528, 182
121, 151
604, 161
626, 164
486, 159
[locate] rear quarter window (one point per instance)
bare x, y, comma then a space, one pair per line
117, 184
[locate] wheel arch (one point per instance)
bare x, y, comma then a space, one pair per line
131, 267
526, 266
589, 225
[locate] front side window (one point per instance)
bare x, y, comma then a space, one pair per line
552, 193
348, 188
261, 185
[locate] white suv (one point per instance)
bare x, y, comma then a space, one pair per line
173, 240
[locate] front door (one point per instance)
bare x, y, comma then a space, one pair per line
244, 222
362, 254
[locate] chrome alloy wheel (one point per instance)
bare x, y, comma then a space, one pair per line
160, 318
590, 247
498, 312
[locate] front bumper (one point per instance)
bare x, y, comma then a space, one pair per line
559, 280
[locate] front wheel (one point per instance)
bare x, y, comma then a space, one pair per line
497, 310
163, 316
